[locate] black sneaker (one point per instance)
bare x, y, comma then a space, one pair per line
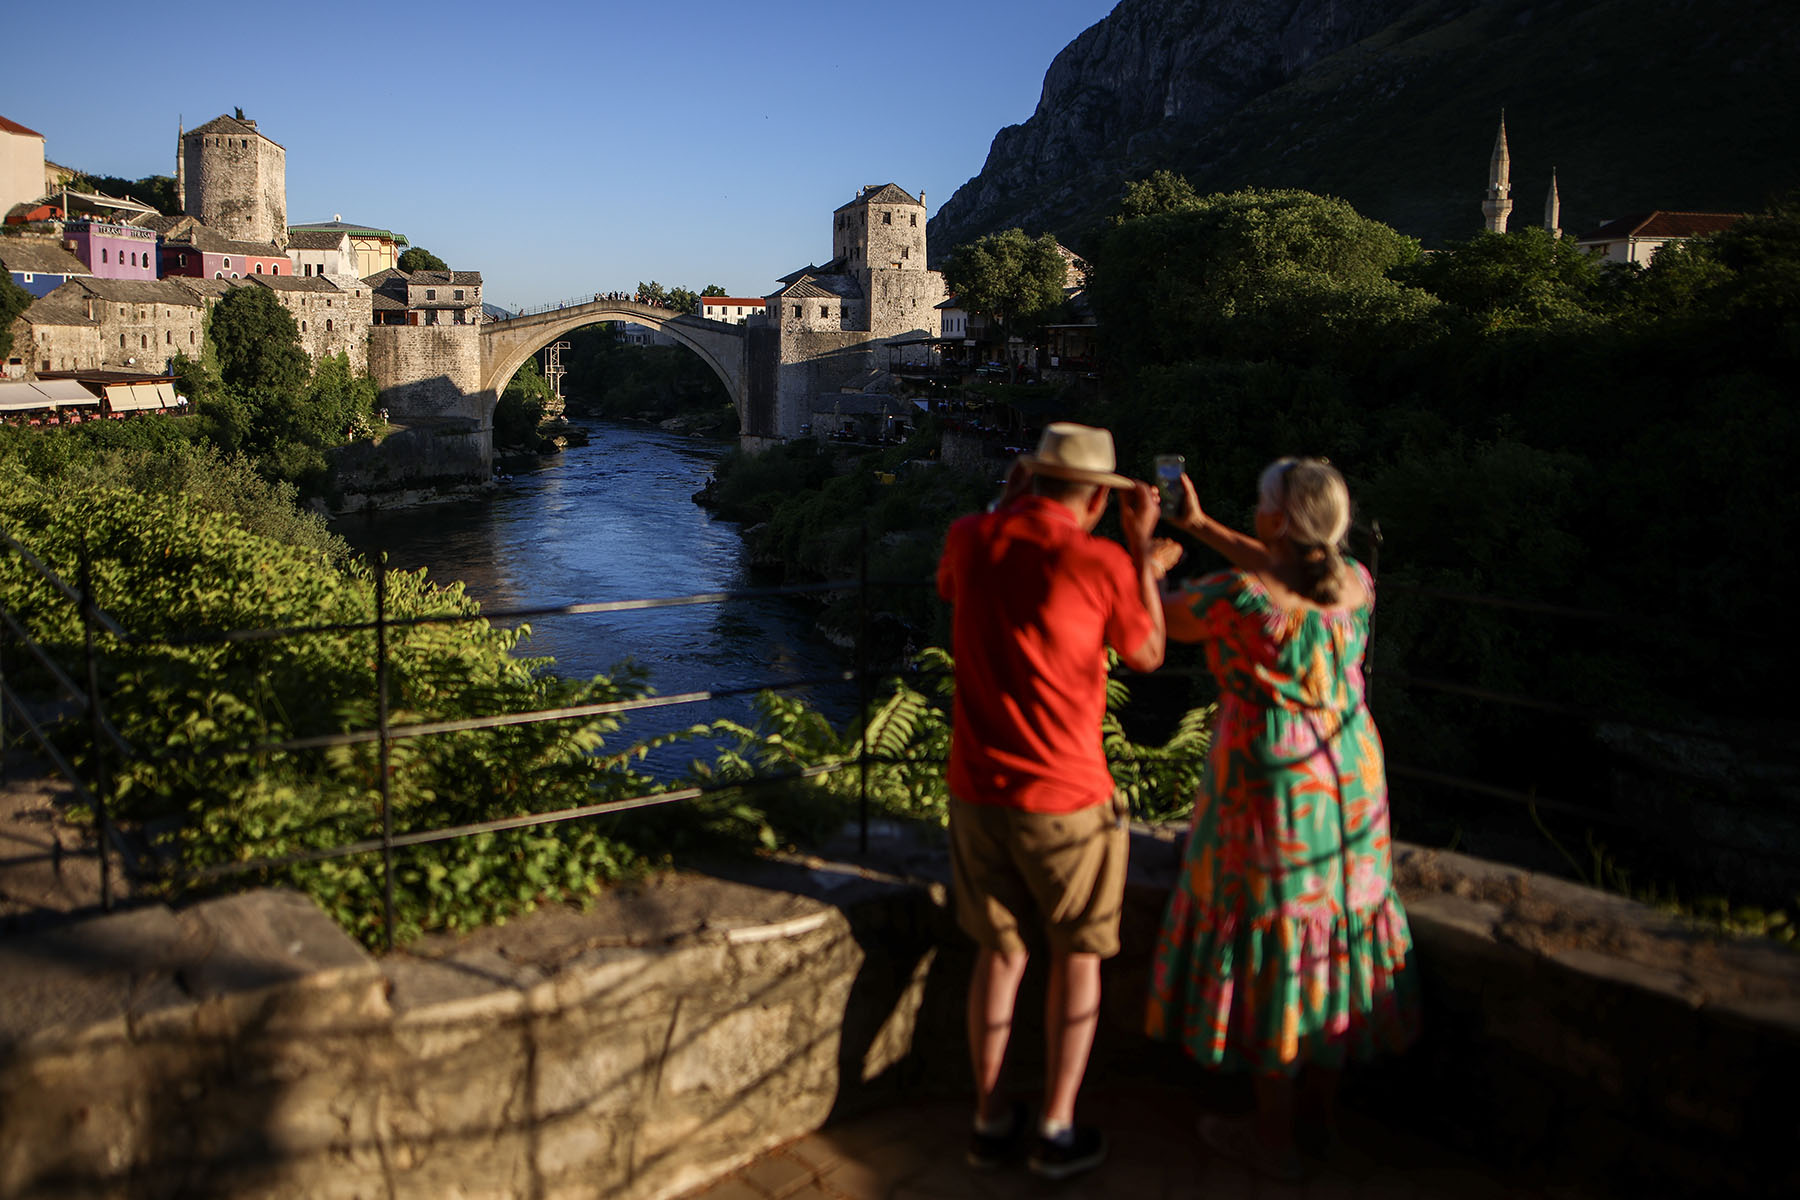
990, 1150
1054, 1160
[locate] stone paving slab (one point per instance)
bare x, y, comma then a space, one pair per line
915, 1152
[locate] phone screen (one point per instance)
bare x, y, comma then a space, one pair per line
1169, 469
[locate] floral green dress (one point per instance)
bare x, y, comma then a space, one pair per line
1284, 942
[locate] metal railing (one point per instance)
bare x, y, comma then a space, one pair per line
83, 687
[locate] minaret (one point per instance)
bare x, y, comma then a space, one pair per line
180, 167
1498, 204
1553, 208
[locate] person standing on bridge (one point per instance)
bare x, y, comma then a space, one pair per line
1035, 837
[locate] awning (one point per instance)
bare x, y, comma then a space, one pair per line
133, 397
22, 395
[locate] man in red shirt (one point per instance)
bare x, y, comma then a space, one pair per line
1033, 829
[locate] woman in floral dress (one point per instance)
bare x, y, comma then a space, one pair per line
1284, 945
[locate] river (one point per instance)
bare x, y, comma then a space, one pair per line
616, 520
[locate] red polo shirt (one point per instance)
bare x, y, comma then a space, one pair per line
1037, 601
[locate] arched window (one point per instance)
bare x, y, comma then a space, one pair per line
103, 254
168, 337
234, 274
143, 341
228, 262
218, 274
303, 327
259, 268
121, 341
274, 268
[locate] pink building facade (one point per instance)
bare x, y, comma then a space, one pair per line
112, 251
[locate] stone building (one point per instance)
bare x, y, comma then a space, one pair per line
376, 250
323, 252
91, 324
191, 249
21, 164
426, 297
825, 325
40, 265
334, 316
234, 180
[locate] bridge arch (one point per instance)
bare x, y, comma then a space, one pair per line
505, 345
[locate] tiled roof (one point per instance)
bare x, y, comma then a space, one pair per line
1661, 224
15, 127
213, 242
66, 305
296, 283
444, 278
349, 227
315, 239
44, 258
886, 193
231, 127
139, 291
212, 289
383, 302
746, 301
835, 287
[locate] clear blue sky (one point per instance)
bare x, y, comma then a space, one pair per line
562, 148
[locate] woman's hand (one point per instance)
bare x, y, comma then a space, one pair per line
1190, 519
1165, 553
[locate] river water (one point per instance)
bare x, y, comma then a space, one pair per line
616, 520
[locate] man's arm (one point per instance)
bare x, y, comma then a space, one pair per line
1138, 513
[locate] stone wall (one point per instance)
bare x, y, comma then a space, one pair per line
1581, 1044
427, 460
237, 185
429, 371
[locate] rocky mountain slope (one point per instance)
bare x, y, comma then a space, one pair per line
1393, 104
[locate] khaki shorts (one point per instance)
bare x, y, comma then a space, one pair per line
1065, 869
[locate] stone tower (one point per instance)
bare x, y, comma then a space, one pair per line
879, 240
1553, 208
1498, 205
235, 180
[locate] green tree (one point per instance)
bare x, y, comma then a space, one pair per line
1013, 279
258, 344
653, 293
713, 289
521, 407
1282, 275
13, 301
682, 300
1164, 191
1500, 280
417, 258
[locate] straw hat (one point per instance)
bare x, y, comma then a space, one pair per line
1079, 452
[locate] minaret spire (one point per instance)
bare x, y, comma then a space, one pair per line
1498, 205
1553, 208
180, 165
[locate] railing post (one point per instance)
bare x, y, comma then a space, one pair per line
381, 718
862, 689
96, 724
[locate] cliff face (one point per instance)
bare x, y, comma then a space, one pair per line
1393, 105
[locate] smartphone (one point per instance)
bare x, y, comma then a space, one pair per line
1169, 470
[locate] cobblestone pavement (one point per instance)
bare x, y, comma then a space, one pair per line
916, 1153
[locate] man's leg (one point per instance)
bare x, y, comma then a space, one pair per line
992, 991
1071, 1013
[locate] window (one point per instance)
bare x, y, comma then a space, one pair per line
181, 260
274, 268
328, 325
796, 310
259, 268
103, 254
823, 311
906, 252
459, 293
431, 293
218, 274
303, 327
915, 220
27, 276
227, 264
168, 337
887, 218
143, 341
190, 337
121, 341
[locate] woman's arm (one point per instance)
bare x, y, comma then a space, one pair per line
1240, 550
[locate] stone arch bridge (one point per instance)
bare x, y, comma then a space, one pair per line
505, 345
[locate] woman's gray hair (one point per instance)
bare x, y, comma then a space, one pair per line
1314, 504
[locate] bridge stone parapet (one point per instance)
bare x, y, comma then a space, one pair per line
505, 345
